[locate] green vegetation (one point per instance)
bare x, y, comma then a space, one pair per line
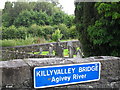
24, 20
44, 32
98, 25
65, 53
19, 42
27, 41
56, 36
39, 13
43, 53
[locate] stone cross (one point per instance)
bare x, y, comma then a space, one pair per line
59, 50
51, 49
70, 49
40, 50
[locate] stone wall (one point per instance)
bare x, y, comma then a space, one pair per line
36, 47
10, 55
18, 74
19, 52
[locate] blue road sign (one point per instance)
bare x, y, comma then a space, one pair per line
51, 76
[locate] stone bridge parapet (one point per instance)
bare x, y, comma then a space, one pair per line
18, 74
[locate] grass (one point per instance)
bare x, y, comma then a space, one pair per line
65, 53
27, 41
20, 42
43, 53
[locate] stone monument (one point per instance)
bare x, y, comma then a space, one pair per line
51, 49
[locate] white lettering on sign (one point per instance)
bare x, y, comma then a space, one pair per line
76, 76
87, 69
58, 79
66, 74
55, 72
66, 71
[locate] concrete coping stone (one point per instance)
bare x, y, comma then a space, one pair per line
52, 61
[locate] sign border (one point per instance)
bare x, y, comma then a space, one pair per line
63, 66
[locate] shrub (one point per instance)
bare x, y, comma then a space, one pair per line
35, 31
9, 33
72, 32
63, 28
21, 33
48, 31
14, 33
27, 18
56, 36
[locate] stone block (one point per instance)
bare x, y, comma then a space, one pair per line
19, 73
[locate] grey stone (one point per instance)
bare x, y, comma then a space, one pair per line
71, 52
19, 52
79, 54
51, 49
19, 73
70, 49
40, 50
69, 43
59, 50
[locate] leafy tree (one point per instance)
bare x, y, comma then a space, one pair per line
9, 33
85, 15
12, 10
8, 7
98, 26
105, 32
63, 29
43, 19
21, 33
48, 30
58, 18
0, 17
24, 18
6, 17
21, 6
35, 31
62, 18
27, 18
40, 13
69, 20
14, 33
72, 32
56, 36
46, 7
